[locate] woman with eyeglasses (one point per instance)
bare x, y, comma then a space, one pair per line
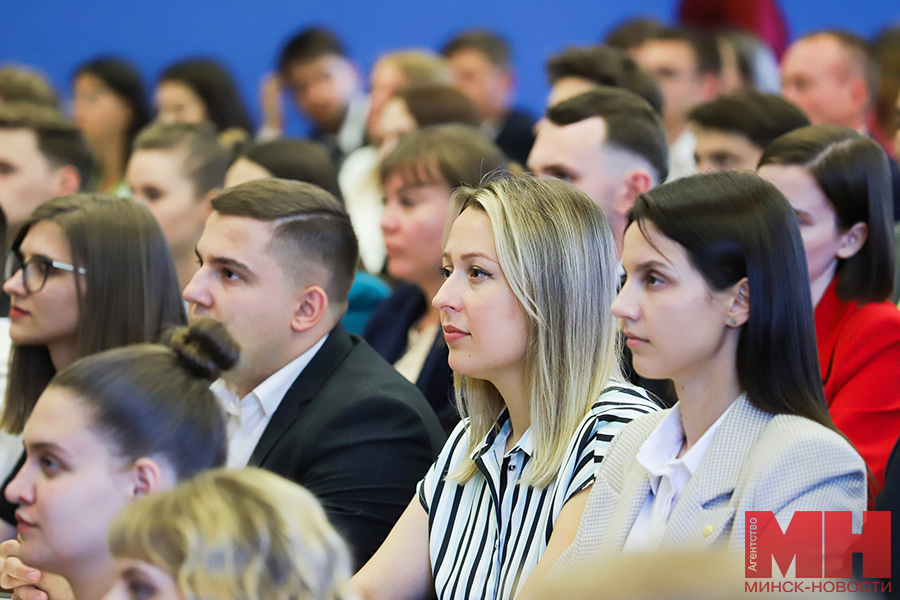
85, 273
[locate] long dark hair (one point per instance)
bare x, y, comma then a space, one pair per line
854, 174
123, 79
129, 295
212, 82
154, 400
734, 225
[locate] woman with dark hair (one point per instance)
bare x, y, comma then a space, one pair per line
839, 184
85, 273
110, 107
419, 107
716, 300
201, 89
418, 177
111, 428
310, 162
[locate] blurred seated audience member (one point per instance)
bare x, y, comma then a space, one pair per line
85, 273
424, 106
358, 175
889, 499
631, 33
687, 65
175, 169
43, 156
579, 69
110, 108
838, 182
716, 300
326, 87
205, 544
308, 161
308, 400
763, 18
733, 129
199, 90
886, 50
109, 429
505, 495
481, 63
23, 85
418, 177
833, 77
749, 63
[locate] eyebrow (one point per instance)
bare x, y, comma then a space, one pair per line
471, 255
224, 261
650, 265
47, 447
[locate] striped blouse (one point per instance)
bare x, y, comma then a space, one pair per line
487, 535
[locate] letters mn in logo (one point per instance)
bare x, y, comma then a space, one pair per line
803, 539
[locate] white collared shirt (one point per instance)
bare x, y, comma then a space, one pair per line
681, 155
669, 476
249, 416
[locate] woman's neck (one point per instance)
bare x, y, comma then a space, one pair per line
515, 397
819, 286
63, 353
111, 157
706, 395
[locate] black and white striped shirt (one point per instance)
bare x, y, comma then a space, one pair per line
487, 535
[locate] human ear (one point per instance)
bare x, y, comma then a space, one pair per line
739, 312
853, 240
66, 180
146, 476
633, 185
311, 309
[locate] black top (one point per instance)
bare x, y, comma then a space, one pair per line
7, 508
388, 331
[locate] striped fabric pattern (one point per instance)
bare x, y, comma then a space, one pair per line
487, 535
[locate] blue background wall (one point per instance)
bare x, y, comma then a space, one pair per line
55, 36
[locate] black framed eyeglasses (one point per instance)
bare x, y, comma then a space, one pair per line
35, 270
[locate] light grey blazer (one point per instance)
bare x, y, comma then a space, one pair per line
756, 461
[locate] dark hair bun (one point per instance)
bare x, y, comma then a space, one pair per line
205, 348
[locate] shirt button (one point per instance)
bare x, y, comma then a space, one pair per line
512, 467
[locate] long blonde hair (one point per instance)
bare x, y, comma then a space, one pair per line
557, 253
237, 534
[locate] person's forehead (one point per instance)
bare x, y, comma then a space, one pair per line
815, 54
19, 140
300, 71
655, 54
709, 139
241, 238
572, 140
469, 57
159, 161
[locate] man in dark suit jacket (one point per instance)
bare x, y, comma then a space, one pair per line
307, 400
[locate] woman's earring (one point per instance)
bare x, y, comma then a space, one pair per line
732, 322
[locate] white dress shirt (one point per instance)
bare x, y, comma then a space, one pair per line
669, 475
681, 155
249, 416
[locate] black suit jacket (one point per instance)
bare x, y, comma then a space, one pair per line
516, 135
388, 333
357, 435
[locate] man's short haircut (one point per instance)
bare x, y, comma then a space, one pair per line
631, 123
607, 66
310, 228
704, 45
489, 43
633, 32
58, 139
23, 85
206, 162
756, 116
860, 52
309, 44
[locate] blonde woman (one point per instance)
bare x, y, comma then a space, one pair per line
530, 275
226, 535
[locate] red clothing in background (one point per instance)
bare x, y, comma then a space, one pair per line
859, 356
761, 17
